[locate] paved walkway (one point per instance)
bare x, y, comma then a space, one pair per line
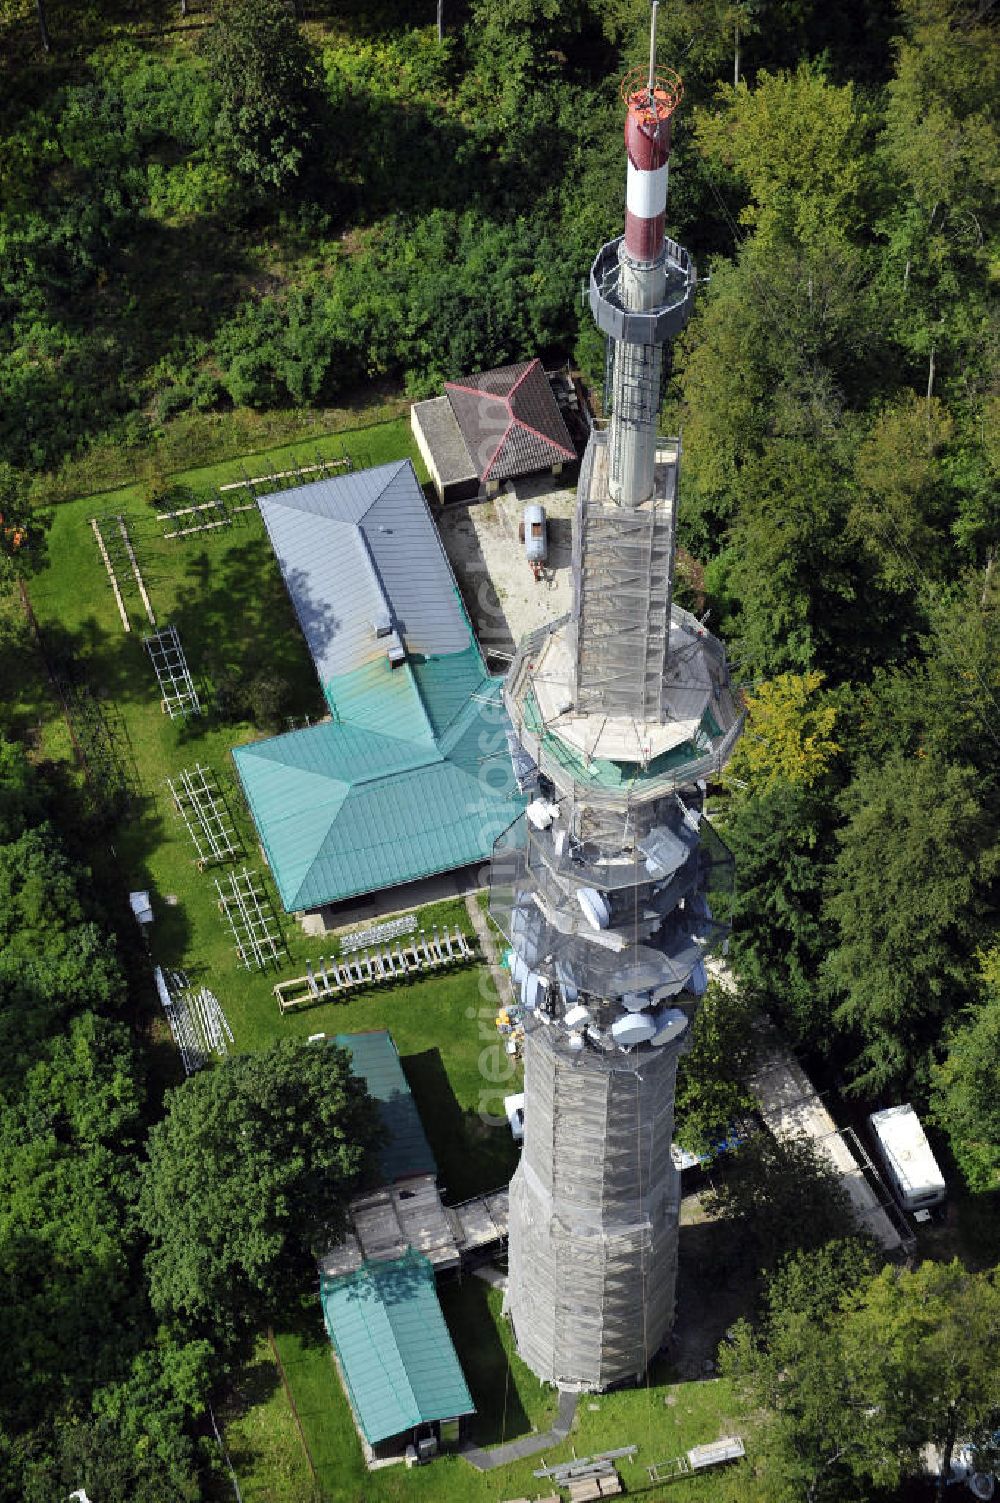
488, 945
528, 1445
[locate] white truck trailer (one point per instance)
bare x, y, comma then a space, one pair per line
913, 1172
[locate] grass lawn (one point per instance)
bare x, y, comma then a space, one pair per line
662, 1419
262, 1437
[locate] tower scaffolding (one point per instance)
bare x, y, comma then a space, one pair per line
178, 695
608, 885
198, 801
251, 918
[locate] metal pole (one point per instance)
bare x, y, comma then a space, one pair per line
652, 50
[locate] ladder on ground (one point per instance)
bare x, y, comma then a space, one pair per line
716, 1453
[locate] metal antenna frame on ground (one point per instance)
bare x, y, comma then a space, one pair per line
177, 691
252, 925
114, 540
254, 487
200, 804
104, 743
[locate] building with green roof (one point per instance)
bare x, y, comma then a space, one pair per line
396, 1357
411, 776
405, 1152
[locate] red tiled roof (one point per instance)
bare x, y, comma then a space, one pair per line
510, 421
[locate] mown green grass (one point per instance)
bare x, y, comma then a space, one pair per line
262, 1438
662, 1419
207, 439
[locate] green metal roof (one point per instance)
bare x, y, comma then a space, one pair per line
410, 777
396, 1356
375, 1060
344, 808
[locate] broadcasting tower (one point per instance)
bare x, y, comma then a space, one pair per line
605, 887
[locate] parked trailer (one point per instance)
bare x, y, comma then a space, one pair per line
912, 1168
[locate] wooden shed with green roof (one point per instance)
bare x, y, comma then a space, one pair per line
396, 1357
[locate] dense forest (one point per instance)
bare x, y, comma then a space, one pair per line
207, 210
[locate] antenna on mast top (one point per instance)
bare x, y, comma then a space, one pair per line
652, 51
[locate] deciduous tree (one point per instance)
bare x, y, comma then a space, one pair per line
271, 91
795, 141
789, 736
711, 1094
248, 1177
923, 1345
778, 1197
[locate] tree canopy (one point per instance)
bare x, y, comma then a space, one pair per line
271, 96
91, 1392
907, 895
965, 1097
248, 1178
906, 1352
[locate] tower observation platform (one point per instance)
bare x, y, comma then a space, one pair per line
607, 886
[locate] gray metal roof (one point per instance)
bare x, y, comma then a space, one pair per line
354, 547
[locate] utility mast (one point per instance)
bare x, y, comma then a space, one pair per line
605, 886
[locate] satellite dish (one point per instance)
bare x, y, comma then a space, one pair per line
595, 907
540, 813
633, 1028
698, 980
636, 1001
670, 1024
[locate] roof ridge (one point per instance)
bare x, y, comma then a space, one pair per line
522, 378
505, 435
395, 465
546, 439
367, 1270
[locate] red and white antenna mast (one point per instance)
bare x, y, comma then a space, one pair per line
642, 285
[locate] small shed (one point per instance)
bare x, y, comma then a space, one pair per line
396, 1357
488, 428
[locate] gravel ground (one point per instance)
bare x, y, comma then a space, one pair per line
503, 599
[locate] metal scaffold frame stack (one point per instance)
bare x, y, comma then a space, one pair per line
593, 1228
199, 803
623, 567
198, 1025
178, 694
224, 508
115, 545
253, 925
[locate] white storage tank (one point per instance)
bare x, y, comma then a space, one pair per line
535, 533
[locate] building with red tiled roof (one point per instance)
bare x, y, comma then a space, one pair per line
489, 428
